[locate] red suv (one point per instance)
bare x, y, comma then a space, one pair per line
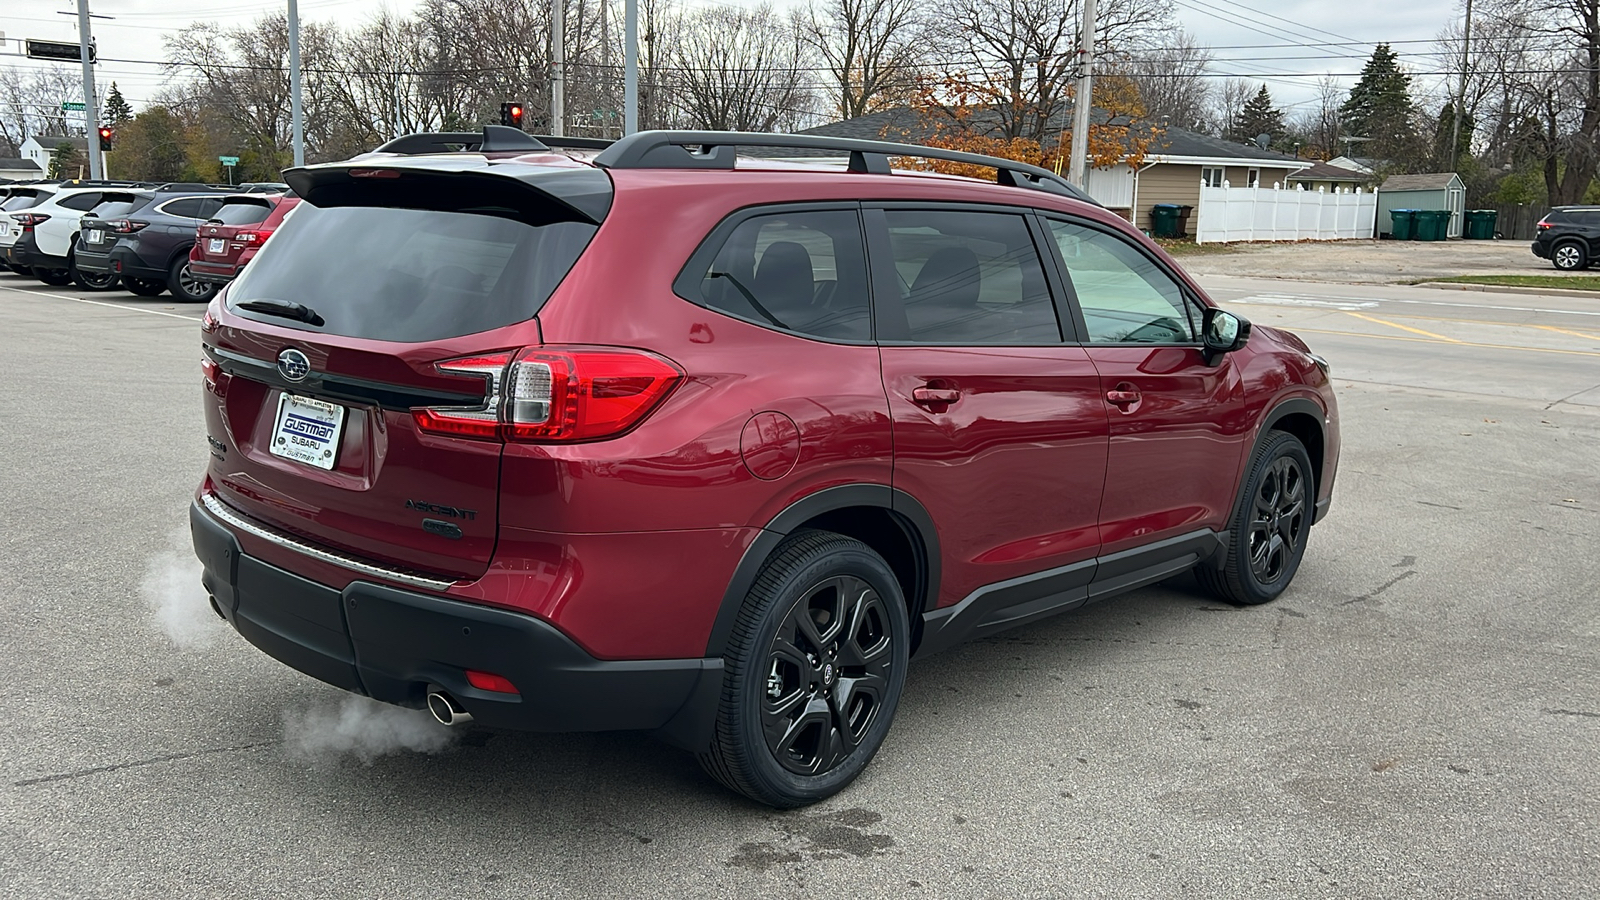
662, 438
233, 235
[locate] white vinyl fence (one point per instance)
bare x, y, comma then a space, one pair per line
1283, 214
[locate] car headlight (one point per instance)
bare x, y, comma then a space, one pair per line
1321, 363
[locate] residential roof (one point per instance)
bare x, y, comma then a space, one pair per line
9, 164
1431, 181
1175, 142
50, 141
1324, 171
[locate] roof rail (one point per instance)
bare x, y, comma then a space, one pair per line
493, 139
718, 149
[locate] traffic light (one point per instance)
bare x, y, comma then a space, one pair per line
511, 114
106, 135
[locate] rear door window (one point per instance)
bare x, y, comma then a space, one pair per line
409, 274
190, 207
112, 206
242, 213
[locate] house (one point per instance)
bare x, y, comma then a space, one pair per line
1434, 190
38, 147
19, 169
1366, 165
1177, 163
1325, 176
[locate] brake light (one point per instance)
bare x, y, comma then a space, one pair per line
125, 226
249, 237
374, 173
1542, 225
555, 394
28, 220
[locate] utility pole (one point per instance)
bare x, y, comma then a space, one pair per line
558, 67
397, 129
630, 67
296, 121
1083, 104
1461, 95
91, 107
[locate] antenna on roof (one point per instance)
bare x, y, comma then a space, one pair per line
1262, 140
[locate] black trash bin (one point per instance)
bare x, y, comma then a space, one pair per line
1164, 220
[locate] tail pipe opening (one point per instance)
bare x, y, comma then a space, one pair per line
447, 709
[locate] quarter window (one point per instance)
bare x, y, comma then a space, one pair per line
800, 271
81, 202
1124, 296
971, 278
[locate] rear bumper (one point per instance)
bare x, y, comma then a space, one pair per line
120, 260
26, 253
1540, 250
392, 645
216, 273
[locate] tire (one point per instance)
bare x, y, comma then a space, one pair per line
1569, 256
90, 282
53, 277
183, 285
20, 270
1270, 525
144, 287
833, 661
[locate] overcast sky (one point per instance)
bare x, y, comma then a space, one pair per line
1236, 29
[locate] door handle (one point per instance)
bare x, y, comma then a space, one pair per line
1123, 399
932, 396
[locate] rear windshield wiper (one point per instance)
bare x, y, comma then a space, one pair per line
285, 308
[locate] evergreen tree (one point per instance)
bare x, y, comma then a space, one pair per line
64, 161
1258, 117
118, 112
1380, 109
1442, 157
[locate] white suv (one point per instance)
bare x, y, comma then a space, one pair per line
17, 198
50, 229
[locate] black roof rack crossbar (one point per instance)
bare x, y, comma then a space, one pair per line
493, 139
574, 143
718, 150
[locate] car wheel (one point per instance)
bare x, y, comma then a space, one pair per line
144, 287
1569, 257
184, 285
55, 277
813, 672
90, 281
1270, 526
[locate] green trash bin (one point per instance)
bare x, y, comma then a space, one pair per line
1480, 224
1405, 223
1164, 220
1431, 225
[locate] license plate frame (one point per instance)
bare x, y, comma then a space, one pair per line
215, 245
94, 236
307, 431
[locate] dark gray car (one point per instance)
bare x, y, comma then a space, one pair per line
144, 237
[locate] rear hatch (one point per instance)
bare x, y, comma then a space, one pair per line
235, 226
17, 200
329, 346
100, 227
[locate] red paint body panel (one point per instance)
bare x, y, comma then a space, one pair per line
235, 253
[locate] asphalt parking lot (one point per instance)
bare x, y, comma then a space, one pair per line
1417, 716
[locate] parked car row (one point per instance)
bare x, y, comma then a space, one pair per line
145, 238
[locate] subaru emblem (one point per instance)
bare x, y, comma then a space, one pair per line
293, 365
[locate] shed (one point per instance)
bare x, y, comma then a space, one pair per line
1435, 190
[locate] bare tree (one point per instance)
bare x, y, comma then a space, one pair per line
872, 50
739, 70
1226, 102
1172, 80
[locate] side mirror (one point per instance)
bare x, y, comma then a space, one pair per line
1222, 332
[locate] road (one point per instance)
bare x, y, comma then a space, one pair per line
1417, 716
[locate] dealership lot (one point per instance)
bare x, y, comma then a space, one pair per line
1416, 716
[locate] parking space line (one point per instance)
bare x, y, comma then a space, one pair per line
1405, 328
153, 312
1447, 341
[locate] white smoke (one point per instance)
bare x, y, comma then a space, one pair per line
363, 728
171, 587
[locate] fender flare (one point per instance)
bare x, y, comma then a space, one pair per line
910, 515
1288, 407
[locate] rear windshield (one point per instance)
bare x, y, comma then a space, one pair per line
245, 212
21, 200
409, 274
114, 205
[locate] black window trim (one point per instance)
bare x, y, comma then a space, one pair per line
688, 281
1193, 305
880, 257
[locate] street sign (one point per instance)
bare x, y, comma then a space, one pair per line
229, 161
56, 50
69, 106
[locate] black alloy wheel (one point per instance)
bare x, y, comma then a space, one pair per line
813, 673
144, 287
91, 281
1569, 256
1270, 525
184, 286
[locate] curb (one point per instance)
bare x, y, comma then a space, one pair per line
1507, 289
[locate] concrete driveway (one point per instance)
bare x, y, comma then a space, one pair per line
1378, 262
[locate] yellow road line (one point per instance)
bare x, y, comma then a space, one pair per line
1397, 337
1592, 337
1441, 337
1582, 334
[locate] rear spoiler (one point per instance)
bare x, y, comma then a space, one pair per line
535, 195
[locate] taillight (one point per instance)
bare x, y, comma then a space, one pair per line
28, 220
555, 394
249, 237
125, 226
1542, 225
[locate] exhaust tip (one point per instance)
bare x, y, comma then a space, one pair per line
447, 710
216, 607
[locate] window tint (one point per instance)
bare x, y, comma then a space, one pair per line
113, 205
82, 202
801, 271
971, 278
410, 274
242, 213
185, 207
1124, 296
23, 200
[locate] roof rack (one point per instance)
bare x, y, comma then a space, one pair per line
718, 150
493, 139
